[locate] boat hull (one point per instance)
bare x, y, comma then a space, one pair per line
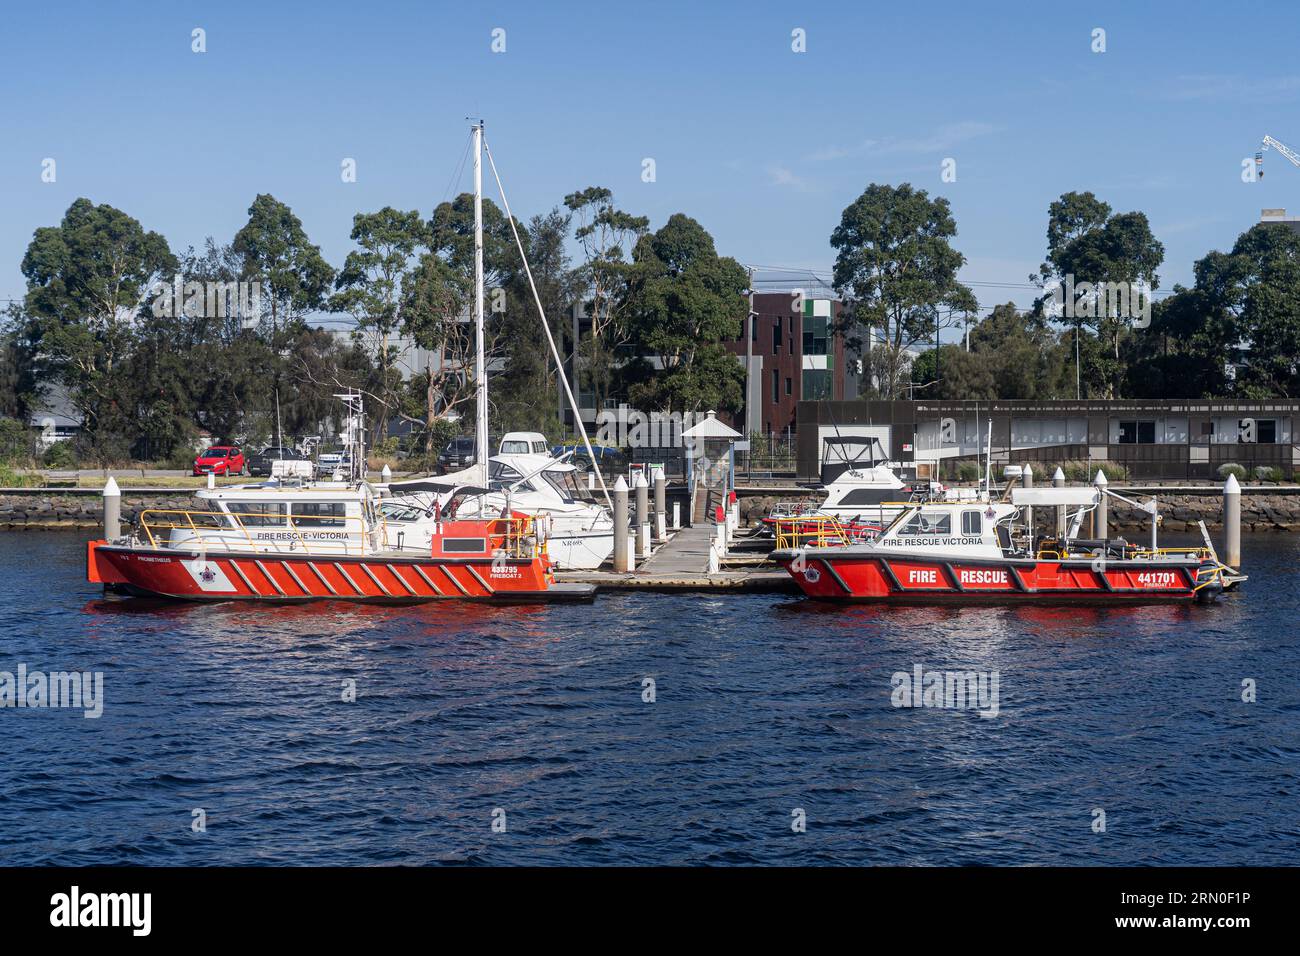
382, 578
866, 575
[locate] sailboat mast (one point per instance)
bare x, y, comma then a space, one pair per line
480, 365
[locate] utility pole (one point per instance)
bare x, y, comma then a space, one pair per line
749, 352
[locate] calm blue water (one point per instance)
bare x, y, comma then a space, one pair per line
764, 704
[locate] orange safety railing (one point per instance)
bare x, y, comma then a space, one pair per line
815, 531
213, 530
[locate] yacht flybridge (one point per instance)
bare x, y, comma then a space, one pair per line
863, 494
291, 539
579, 530
984, 550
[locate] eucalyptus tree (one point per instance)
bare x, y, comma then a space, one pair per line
295, 278
370, 288
87, 279
606, 235
1103, 261
897, 269
683, 301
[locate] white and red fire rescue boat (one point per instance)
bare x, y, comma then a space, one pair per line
971, 551
316, 543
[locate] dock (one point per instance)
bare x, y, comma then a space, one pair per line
682, 564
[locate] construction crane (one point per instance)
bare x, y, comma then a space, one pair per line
1282, 148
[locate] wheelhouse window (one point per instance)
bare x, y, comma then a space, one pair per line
257, 514
972, 523
928, 523
320, 514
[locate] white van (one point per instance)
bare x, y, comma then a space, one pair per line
524, 443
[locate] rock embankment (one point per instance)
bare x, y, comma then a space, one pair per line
46, 512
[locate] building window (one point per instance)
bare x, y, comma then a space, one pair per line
789, 385
1262, 431
1137, 433
816, 384
776, 385
815, 337
776, 336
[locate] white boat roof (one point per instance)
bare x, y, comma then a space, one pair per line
1054, 496
287, 491
527, 464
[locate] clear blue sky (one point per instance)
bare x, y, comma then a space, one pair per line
764, 146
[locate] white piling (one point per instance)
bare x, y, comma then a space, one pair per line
1027, 481
212, 480
620, 526
1058, 481
677, 515
112, 510
1101, 524
642, 488
1232, 522
720, 530
661, 498
386, 475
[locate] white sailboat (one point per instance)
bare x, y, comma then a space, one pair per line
580, 532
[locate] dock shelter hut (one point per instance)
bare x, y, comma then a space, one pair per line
710, 459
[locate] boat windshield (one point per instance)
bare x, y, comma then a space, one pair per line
565, 483
899, 518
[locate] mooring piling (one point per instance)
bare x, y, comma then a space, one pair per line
1232, 522
661, 500
1101, 527
620, 526
112, 510
1027, 481
1058, 481
642, 488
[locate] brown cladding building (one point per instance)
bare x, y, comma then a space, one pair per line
1173, 439
793, 357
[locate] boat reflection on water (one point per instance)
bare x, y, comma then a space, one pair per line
236, 623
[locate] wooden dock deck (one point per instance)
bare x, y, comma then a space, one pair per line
682, 564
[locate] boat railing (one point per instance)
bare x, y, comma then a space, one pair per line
348, 534
519, 537
817, 531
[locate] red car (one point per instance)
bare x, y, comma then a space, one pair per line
220, 460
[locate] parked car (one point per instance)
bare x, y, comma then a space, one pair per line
328, 462
220, 460
612, 461
458, 454
259, 464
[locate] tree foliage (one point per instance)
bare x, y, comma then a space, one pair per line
896, 265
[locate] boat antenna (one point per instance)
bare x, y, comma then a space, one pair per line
988, 461
480, 366
546, 327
